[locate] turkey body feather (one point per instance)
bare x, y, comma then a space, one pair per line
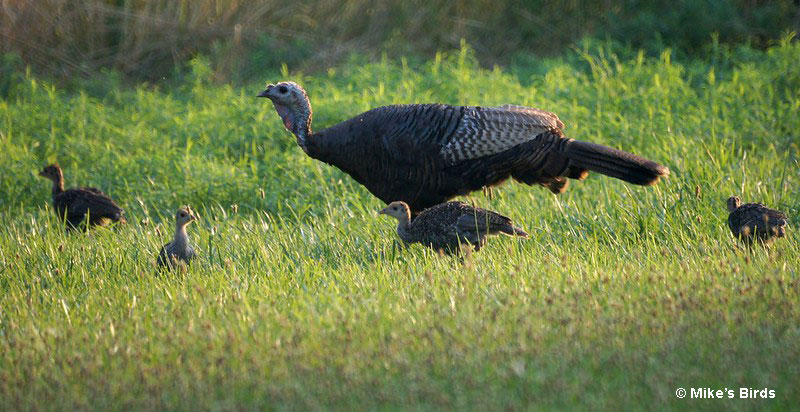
448, 225
755, 222
171, 253
77, 204
395, 152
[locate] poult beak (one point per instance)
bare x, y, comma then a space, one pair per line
382, 212
266, 91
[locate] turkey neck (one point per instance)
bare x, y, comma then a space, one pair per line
303, 128
402, 228
58, 185
299, 119
181, 238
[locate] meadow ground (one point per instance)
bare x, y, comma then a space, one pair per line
302, 299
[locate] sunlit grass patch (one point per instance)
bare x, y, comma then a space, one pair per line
303, 298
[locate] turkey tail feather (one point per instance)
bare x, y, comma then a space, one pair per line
615, 163
514, 231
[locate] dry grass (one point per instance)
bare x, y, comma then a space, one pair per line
147, 39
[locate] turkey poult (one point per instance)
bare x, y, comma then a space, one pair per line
426, 154
73, 205
755, 222
447, 226
179, 250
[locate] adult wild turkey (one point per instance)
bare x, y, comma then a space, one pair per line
73, 205
179, 250
426, 154
755, 222
447, 226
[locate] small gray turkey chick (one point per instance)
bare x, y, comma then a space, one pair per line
755, 222
449, 225
179, 249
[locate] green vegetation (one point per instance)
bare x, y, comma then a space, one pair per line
302, 299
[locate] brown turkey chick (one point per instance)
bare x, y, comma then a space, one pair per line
755, 222
74, 205
448, 226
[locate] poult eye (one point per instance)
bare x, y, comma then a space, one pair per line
282, 90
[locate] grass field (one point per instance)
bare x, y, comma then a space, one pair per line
301, 298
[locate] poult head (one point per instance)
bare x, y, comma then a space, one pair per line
733, 203
397, 210
291, 103
184, 216
52, 172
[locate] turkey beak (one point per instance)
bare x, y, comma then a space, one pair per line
382, 212
266, 91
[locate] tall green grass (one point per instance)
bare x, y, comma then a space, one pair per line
301, 297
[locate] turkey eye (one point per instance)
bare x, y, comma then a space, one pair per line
282, 90
183, 214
